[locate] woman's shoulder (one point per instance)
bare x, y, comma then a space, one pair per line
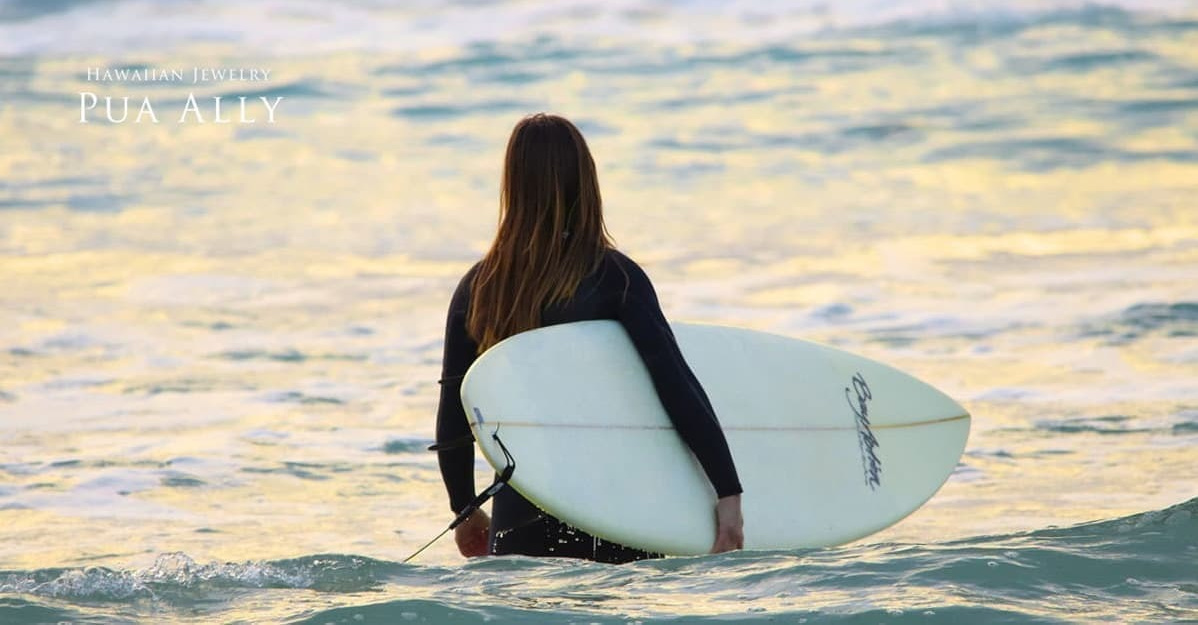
461, 294
629, 271
621, 260
469, 275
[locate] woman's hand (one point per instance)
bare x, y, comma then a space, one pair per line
472, 535
729, 525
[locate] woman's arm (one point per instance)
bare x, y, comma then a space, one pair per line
681, 394
456, 458
453, 430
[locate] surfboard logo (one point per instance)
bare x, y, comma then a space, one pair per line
858, 396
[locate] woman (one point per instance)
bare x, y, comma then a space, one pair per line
553, 262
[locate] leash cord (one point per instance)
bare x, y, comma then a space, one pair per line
500, 481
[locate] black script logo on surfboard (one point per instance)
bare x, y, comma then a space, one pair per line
858, 396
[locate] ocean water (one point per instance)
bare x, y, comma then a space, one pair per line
219, 342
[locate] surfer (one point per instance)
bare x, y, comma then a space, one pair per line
552, 261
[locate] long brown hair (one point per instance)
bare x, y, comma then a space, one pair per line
551, 232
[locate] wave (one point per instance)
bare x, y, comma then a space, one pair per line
1133, 568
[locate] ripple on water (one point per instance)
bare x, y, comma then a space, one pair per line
407, 445
1050, 153
289, 355
425, 112
1187, 422
176, 479
297, 397
1077, 62
290, 90
303, 470
1177, 319
1108, 424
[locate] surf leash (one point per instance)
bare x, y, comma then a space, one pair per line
496, 486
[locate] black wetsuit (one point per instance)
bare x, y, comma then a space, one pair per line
620, 290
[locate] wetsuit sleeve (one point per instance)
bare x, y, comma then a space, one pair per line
453, 431
680, 393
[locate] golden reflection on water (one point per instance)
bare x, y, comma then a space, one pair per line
165, 287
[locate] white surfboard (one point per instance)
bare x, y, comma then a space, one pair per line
830, 447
